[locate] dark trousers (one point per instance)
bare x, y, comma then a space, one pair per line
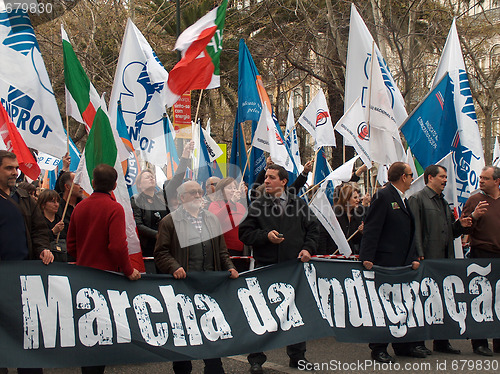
212, 366
295, 352
440, 344
437, 344
484, 343
399, 348
93, 369
480, 253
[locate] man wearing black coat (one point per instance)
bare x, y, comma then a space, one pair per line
280, 227
387, 241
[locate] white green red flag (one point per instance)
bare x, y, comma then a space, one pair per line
103, 146
201, 46
14, 143
82, 99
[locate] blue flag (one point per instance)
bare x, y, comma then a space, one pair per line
75, 157
249, 81
321, 170
172, 156
431, 128
249, 109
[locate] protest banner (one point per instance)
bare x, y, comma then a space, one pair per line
64, 315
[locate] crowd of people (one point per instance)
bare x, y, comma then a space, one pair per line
220, 226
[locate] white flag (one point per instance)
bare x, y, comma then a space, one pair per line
195, 155
410, 161
496, 153
291, 137
344, 172
382, 174
214, 151
354, 129
25, 88
139, 80
359, 51
268, 138
47, 162
323, 211
468, 154
317, 121
385, 142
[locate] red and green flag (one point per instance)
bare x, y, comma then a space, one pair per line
201, 46
82, 99
103, 146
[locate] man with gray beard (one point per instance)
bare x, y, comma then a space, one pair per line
190, 239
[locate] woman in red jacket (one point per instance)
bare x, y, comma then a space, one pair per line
230, 212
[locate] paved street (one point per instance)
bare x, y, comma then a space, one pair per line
336, 358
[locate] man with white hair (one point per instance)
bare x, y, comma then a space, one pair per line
190, 239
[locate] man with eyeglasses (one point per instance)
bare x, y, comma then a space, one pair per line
388, 241
484, 209
190, 239
436, 227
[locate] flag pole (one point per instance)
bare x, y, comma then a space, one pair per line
66, 208
370, 87
291, 130
67, 134
244, 137
246, 165
352, 236
317, 184
369, 179
315, 163
315, 193
369, 103
198, 107
248, 151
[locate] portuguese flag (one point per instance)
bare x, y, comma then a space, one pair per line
201, 46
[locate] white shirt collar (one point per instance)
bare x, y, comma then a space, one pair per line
401, 194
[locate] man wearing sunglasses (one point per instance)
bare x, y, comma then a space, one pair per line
190, 239
388, 237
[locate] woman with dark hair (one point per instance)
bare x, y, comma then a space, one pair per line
48, 201
230, 213
149, 208
350, 217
